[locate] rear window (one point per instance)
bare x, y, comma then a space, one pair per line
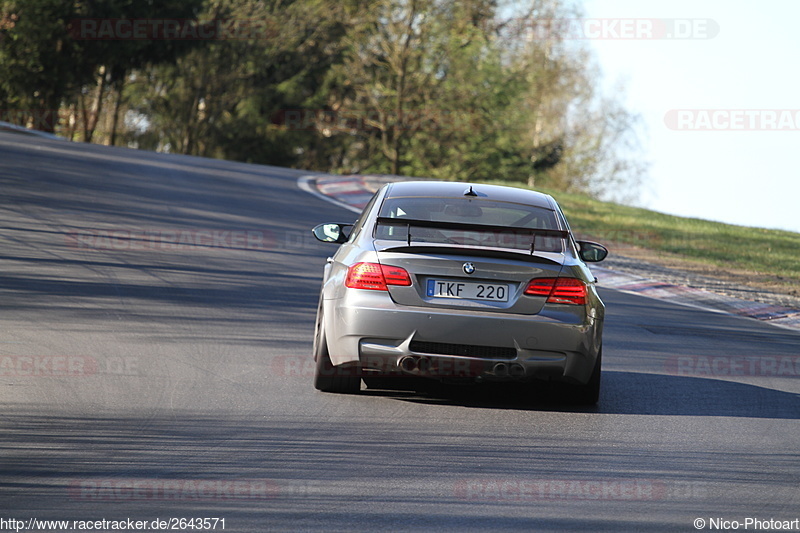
472, 214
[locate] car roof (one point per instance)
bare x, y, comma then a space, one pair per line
452, 189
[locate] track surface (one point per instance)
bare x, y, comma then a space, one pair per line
163, 371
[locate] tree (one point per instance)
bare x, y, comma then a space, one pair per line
46, 61
226, 99
39, 63
112, 61
576, 138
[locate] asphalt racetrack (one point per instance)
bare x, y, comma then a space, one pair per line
156, 321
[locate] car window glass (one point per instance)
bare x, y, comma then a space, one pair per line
474, 213
359, 223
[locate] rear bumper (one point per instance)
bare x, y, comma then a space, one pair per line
560, 343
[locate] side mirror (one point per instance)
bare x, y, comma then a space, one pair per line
334, 233
591, 252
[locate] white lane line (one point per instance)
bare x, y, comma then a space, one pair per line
308, 184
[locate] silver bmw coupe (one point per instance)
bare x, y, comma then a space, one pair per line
458, 283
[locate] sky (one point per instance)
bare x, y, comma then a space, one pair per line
719, 101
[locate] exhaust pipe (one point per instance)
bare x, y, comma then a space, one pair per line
516, 370
500, 370
408, 364
424, 364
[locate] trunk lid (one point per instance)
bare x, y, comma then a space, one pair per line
468, 279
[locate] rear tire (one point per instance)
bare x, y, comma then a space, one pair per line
589, 394
327, 377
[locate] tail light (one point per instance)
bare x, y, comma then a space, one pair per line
558, 290
376, 277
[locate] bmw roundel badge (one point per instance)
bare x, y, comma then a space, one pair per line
469, 268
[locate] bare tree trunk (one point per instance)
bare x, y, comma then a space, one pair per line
401, 91
115, 119
71, 121
84, 114
537, 141
191, 124
91, 117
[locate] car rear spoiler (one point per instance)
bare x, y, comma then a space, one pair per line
449, 249
533, 232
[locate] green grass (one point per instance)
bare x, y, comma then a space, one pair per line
772, 255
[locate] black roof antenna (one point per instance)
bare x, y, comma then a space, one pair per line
470, 192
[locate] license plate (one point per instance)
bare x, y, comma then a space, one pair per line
467, 290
